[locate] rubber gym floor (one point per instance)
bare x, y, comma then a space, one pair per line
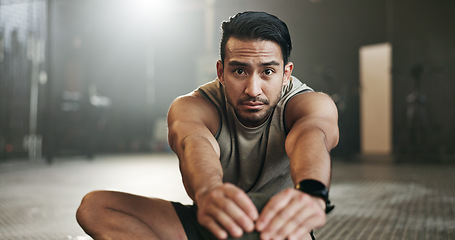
374, 199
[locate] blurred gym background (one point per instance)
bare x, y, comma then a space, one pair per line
85, 86
92, 77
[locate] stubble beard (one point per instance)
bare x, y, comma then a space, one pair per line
254, 117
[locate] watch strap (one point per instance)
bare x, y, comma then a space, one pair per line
316, 189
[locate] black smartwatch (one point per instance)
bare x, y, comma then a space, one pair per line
316, 189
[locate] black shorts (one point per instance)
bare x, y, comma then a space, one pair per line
194, 231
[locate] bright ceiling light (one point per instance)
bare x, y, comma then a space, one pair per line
151, 9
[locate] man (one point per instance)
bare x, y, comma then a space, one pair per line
243, 141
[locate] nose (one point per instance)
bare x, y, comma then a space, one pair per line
253, 86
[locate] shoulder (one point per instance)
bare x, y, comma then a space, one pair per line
312, 110
310, 105
194, 108
212, 91
309, 100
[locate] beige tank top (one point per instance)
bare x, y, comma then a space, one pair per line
254, 159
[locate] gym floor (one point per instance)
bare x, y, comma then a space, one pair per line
374, 199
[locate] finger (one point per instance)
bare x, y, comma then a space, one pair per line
314, 215
226, 222
236, 216
303, 212
287, 220
310, 216
291, 228
299, 234
227, 213
275, 204
213, 227
243, 201
313, 221
211, 216
280, 233
282, 227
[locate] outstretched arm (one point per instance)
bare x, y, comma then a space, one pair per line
312, 119
192, 122
222, 208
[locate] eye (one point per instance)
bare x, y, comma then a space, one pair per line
268, 71
239, 71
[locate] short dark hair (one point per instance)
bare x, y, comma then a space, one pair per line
256, 26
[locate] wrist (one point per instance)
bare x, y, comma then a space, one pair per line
316, 189
203, 191
200, 194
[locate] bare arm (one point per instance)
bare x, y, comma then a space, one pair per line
192, 122
222, 207
313, 122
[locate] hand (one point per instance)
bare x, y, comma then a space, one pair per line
291, 214
225, 210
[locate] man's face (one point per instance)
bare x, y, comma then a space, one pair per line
253, 74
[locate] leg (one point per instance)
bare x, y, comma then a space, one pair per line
117, 215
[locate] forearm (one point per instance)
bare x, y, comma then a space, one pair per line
199, 165
309, 153
307, 148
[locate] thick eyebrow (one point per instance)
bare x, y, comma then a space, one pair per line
237, 63
271, 63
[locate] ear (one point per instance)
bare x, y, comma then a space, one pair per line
287, 73
220, 71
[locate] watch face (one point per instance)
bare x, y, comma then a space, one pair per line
311, 185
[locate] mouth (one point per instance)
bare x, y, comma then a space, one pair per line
252, 105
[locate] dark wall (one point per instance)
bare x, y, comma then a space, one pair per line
423, 37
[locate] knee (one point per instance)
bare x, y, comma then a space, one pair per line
90, 206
